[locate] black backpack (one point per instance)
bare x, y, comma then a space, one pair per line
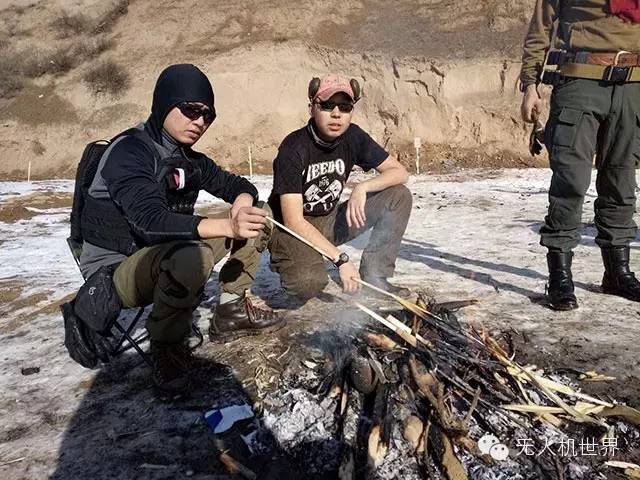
85, 173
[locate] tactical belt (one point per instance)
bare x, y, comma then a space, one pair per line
622, 67
610, 73
622, 59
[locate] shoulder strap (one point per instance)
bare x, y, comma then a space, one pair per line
142, 135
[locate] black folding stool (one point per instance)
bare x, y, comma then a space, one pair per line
124, 337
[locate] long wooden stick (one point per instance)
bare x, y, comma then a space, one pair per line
410, 339
301, 238
412, 307
396, 326
419, 311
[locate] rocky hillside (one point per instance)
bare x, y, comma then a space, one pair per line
442, 70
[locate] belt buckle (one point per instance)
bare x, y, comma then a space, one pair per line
614, 73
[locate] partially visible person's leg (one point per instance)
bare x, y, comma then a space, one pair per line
239, 272
616, 185
578, 108
172, 277
235, 315
387, 214
571, 134
301, 268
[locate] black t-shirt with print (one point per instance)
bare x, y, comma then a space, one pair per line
319, 172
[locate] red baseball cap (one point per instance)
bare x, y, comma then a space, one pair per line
332, 84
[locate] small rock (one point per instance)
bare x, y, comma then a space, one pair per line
30, 370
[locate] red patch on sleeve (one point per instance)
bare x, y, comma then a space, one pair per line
627, 10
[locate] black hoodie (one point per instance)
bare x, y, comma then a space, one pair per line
130, 172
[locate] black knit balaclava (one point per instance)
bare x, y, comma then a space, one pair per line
176, 84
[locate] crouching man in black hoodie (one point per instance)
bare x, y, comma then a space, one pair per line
139, 221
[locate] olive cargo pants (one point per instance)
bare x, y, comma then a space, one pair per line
172, 276
302, 271
590, 118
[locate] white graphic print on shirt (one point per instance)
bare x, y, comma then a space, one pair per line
325, 168
327, 180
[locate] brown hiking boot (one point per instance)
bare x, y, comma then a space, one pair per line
171, 365
240, 317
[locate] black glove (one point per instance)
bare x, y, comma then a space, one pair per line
536, 140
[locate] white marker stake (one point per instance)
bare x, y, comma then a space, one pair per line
250, 163
416, 144
29, 172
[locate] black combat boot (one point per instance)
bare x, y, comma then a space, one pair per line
172, 363
618, 279
384, 284
237, 318
560, 290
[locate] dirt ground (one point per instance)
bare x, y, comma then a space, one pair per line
444, 71
472, 235
25, 208
441, 70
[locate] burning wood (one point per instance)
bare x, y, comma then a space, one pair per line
418, 395
236, 468
459, 385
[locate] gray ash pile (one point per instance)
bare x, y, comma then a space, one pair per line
418, 395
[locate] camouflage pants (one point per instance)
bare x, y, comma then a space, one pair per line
590, 118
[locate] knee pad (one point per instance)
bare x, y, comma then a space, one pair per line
184, 271
83, 344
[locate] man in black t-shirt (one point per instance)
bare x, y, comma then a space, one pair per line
310, 171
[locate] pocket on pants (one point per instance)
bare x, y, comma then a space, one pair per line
566, 127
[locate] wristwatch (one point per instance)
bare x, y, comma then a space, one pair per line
342, 259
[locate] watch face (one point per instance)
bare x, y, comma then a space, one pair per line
343, 258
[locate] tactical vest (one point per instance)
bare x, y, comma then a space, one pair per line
104, 224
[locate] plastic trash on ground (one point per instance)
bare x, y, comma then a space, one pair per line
220, 420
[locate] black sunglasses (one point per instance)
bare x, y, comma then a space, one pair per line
193, 112
329, 105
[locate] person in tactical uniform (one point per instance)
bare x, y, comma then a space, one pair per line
595, 111
309, 173
139, 222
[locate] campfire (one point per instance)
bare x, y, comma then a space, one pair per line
419, 395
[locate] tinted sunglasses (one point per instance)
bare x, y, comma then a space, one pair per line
329, 105
193, 112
